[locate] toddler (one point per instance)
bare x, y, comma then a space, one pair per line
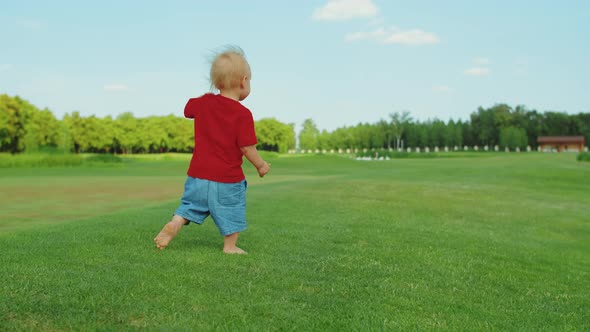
224, 132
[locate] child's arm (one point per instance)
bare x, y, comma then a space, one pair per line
254, 158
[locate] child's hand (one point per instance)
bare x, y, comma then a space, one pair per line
264, 169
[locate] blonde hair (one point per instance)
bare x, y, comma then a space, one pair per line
228, 68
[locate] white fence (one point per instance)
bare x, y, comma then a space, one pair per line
436, 149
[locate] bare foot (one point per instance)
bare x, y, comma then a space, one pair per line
165, 236
234, 250
229, 244
168, 232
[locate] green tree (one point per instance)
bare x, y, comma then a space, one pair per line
362, 134
411, 135
385, 133
377, 136
274, 135
152, 135
468, 134
583, 123
342, 138
325, 140
423, 135
12, 123
75, 129
484, 126
458, 134
503, 116
557, 124
40, 129
31, 139
533, 126
100, 133
399, 121
449, 138
308, 136
24, 127
438, 133
127, 136
174, 134
64, 143
519, 117
512, 137
184, 136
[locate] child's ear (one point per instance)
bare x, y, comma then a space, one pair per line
243, 82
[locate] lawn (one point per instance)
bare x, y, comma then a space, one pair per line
497, 242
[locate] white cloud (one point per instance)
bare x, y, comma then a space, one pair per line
477, 71
395, 36
115, 87
339, 10
481, 61
5, 66
442, 89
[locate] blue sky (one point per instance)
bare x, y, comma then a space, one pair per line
339, 62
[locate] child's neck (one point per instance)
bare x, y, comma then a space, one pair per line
231, 94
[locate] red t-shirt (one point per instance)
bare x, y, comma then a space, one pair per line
222, 126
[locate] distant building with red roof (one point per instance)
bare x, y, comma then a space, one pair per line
561, 143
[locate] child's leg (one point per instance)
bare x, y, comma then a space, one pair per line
229, 244
169, 231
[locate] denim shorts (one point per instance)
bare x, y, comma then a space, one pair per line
225, 202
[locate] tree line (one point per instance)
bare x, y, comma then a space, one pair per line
500, 125
25, 128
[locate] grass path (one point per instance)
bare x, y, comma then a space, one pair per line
453, 244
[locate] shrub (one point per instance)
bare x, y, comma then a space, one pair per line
104, 158
584, 156
55, 160
39, 160
61, 160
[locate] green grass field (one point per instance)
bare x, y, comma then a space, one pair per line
497, 242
